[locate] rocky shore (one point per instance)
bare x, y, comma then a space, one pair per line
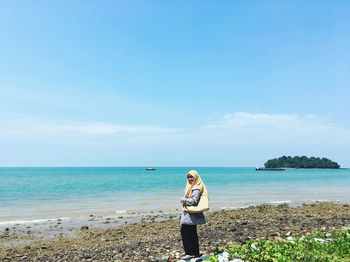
157, 237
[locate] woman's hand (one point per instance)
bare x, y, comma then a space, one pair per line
182, 199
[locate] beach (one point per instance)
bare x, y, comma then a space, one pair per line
156, 237
131, 214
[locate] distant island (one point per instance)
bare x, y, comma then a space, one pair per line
301, 162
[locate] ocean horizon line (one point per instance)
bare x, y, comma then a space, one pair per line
189, 167
127, 166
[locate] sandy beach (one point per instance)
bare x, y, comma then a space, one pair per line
155, 236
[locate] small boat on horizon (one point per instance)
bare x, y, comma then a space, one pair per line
269, 169
150, 169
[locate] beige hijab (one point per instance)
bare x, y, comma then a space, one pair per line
197, 184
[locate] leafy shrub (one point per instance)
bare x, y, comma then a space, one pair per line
329, 246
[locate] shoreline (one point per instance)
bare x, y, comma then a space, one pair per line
63, 226
154, 234
67, 226
220, 201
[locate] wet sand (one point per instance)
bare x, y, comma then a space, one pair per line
155, 236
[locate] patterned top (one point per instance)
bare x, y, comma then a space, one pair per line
191, 218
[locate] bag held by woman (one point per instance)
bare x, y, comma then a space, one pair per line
202, 206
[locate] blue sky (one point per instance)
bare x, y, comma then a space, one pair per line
173, 83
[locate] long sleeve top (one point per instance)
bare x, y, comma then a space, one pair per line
192, 218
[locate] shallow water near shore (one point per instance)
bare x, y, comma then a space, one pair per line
28, 194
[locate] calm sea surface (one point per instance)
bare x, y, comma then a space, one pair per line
35, 193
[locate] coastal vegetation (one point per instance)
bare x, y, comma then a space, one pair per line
332, 245
301, 162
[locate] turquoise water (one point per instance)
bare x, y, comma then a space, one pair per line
34, 193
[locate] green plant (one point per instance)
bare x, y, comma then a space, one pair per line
327, 246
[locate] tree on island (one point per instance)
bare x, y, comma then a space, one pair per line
301, 162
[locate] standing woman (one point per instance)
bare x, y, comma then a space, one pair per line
195, 188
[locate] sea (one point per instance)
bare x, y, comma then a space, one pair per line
28, 194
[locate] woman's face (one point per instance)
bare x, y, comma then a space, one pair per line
190, 179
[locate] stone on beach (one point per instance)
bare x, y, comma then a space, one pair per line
84, 227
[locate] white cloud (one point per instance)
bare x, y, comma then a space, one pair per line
287, 127
241, 126
244, 119
105, 129
29, 127
233, 139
